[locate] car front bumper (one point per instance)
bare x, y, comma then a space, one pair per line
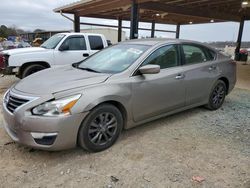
46, 133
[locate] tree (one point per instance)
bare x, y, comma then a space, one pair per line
3, 31
38, 30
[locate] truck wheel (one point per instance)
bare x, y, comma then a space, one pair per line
31, 69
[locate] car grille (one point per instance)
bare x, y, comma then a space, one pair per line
14, 102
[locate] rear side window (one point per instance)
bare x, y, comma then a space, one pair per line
95, 43
211, 55
193, 54
76, 43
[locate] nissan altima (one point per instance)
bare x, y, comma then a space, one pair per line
89, 103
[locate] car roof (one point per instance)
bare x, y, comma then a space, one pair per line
159, 41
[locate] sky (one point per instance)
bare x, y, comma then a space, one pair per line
34, 14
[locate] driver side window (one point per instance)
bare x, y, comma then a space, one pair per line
75, 43
165, 57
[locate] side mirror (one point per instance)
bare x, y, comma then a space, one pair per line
150, 69
64, 47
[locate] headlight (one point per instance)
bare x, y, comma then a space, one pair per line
60, 107
6, 97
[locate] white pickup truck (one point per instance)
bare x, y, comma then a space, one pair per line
60, 49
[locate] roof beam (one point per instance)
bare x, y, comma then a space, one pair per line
204, 13
108, 5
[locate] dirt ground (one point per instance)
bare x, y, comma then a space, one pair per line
214, 145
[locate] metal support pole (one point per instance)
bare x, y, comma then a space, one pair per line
134, 20
153, 29
76, 23
237, 50
178, 26
119, 30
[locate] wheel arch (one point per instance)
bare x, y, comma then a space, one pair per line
226, 81
113, 101
25, 65
120, 107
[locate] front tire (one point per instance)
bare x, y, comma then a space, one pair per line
101, 128
31, 69
217, 95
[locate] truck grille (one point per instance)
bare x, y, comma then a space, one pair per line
14, 102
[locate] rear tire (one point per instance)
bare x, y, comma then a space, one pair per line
217, 96
101, 128
31, 69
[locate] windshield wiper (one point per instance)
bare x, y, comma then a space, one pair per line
88, 69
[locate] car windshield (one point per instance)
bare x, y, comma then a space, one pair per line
114, 59
53, 41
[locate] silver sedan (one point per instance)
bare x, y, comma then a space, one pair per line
89, 103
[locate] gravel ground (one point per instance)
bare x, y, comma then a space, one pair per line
165, 153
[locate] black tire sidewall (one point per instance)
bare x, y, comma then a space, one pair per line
210, 104
29, 69
83, 139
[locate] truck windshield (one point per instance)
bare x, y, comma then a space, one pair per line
53, 41
114, 59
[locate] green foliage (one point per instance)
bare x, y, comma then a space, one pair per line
3, 31
9, 31
13, 31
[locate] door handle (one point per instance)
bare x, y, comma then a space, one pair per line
85, 55
212, 68
180, 76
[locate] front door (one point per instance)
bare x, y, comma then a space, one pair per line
156, 94
77, 51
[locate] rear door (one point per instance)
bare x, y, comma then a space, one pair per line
77, 51
155, 94
200, 70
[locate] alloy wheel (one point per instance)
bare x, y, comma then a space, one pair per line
102, 129
218, 95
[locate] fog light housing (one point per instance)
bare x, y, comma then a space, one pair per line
44, 138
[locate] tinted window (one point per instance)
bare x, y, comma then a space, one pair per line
76, 43
95, 43
166, 57
211, 55
193, 54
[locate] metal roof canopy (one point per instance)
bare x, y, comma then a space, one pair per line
178, 12
162, 11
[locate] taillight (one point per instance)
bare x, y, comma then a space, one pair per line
2, 59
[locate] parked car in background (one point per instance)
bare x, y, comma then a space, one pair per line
8, 45
60, 49
243, 55
22, 44
1, 47
89, 103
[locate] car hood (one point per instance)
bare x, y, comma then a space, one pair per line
24, 50
55, 80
